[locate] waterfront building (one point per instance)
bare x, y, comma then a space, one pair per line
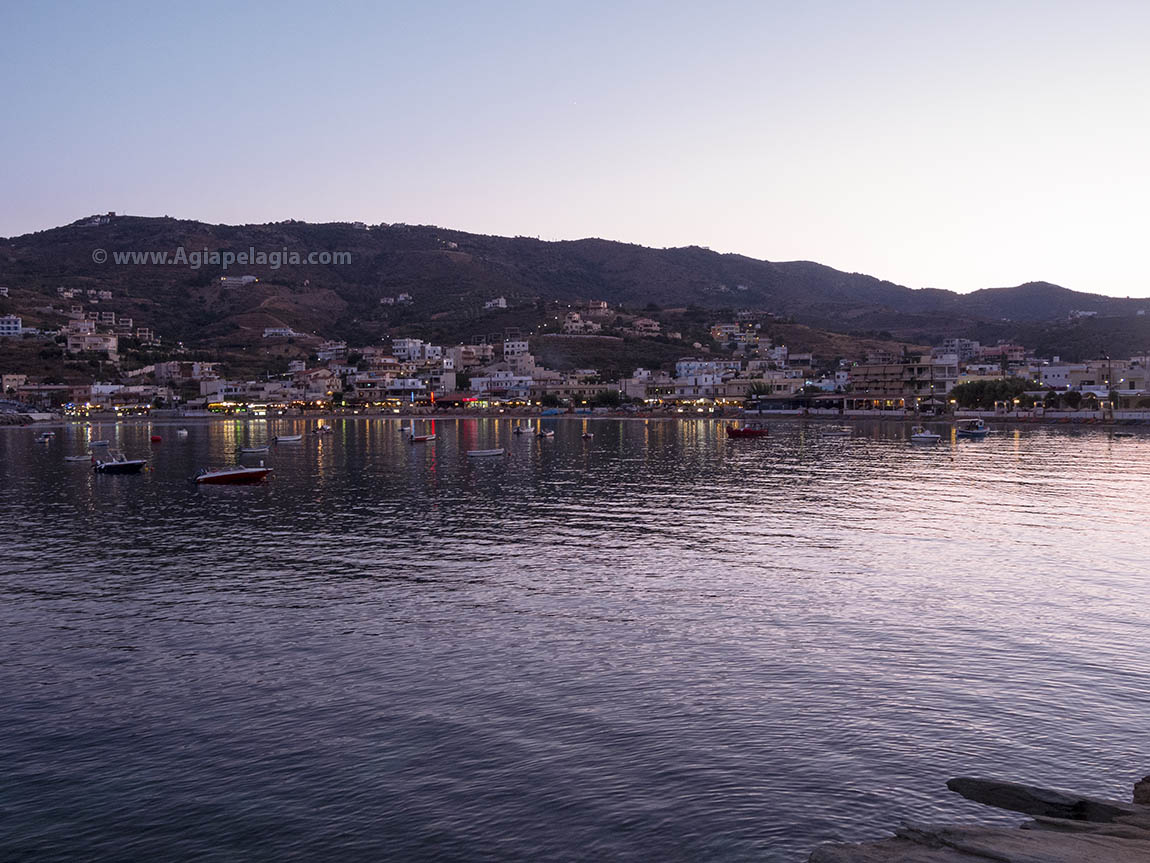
912, 381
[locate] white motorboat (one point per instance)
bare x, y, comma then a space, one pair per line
918, 434
181, 432
78, 458
288, 438
483, 453
232, 475
119, 463
545, 433
253, 450
421, 438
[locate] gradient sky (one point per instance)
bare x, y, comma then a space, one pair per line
958, 145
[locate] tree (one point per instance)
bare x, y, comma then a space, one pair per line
1073, 399
607, 398
983, 394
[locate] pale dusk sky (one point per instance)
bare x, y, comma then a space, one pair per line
958, 145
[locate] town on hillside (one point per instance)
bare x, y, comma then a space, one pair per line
738, 368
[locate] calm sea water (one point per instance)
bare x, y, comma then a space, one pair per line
661, 644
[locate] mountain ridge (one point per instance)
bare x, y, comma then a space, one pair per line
450, 273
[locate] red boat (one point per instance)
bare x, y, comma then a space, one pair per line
747, 430
232, 475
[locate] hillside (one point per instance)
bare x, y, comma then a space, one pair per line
450, 274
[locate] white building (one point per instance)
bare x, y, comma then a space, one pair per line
694, 366
515, 348
503, 383
237, 281
407, 349
11, 325
497, 303
278, 332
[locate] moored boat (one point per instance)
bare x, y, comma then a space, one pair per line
753, 429
324, 430
588, 435
77, 458
237, 475
836, 432
421, 438
181, 432
119, 463
482, 453
918, 434
98, 443
545, 433
972, 429
288, 438
253, 450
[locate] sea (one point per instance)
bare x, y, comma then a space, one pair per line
657, 643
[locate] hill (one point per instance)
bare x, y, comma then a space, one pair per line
450, 274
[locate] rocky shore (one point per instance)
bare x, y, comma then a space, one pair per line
1066, 828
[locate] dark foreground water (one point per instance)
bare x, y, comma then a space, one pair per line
661, 645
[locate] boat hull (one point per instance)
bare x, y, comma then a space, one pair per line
484, 453
234, 477
119, 466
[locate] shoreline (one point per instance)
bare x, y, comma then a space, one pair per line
530, 418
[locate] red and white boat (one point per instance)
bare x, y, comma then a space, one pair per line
747, 430
421, 438
232, 475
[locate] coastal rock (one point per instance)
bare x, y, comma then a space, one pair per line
1067, 828
1033, 800
1142, 791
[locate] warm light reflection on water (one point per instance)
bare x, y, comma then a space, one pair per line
655, 644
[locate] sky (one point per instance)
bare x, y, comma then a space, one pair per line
957, 145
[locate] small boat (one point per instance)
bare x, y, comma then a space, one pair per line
77, 458
44, 438
1122, 434
836, 432
918, 434
157, 439
288, 438
118, 463
747, 430
407, 429
98, 443
588, 435
238, 475
482, 453
421, 438
976, 429
252, 450
181, 432
545, 433
325, 430
521, 430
